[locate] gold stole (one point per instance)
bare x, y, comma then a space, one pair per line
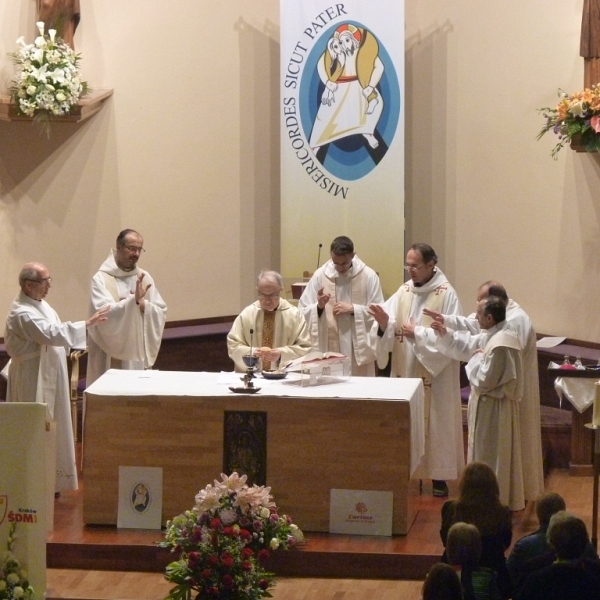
268, 334
358, 295
435, 301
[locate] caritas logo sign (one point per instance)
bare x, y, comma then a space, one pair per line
360, 513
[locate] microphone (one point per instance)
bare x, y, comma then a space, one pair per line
251, 343
319, 256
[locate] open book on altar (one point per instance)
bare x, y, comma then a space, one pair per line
314, 358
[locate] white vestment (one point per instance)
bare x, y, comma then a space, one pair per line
529, 409
290, 337
351, 335
444, 449
347, 113
128, 339
36, 342
496, 382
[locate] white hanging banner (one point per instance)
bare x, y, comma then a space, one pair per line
342, 131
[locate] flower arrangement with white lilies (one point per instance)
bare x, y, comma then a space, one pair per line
224, 541
14, 584
47, 80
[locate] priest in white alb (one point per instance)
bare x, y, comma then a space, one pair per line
529, 408
335, 305
131, 336
403, 330
270, 328
496, 377
37, 341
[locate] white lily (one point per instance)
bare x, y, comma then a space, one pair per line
52, 34
37, 55
40, 26
40, 74
40, 41
21, 41
577, 109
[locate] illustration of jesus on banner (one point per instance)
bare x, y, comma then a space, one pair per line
350, 69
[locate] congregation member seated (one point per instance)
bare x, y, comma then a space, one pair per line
463, 549
442, 583
570, 576
479, 504
533, 551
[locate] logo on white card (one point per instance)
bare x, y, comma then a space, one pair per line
140, 497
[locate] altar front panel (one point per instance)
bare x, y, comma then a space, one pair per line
314, 444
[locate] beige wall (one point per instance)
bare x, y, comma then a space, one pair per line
187, 152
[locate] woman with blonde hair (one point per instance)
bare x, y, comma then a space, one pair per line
479, 504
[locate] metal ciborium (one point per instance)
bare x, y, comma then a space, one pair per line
251, 362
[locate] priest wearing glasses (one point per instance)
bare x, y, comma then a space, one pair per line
131, 336
271, 328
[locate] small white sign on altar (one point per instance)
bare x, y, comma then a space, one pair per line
361, 512
140, 497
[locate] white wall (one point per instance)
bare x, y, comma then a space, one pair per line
187, 152
479, 186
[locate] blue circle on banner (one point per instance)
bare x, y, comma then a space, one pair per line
350, 158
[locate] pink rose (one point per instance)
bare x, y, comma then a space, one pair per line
595, 123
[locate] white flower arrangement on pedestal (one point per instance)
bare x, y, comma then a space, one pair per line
47, 80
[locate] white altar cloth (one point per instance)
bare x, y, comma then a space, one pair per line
127, 383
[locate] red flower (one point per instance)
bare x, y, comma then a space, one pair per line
193, 558
264, 584
215, 523
263, 555
206, 574
227, 581
227, 561
213, 560
245, 534
247, 553
246, 565
228, 531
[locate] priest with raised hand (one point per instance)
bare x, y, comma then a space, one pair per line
403, 329
495, 373
335, 305
529, 409
271, 328
37, 341
131, 336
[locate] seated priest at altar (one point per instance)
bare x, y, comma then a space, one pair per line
270, 328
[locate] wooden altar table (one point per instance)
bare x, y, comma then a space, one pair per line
364, 434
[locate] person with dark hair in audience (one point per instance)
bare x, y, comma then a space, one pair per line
479, 503
463, 549
570, 576
533, 551
442, 583
495, 373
